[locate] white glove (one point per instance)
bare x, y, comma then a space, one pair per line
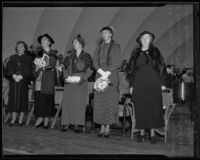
100, 71
19, 77
105, 74
108, 73
14, 76
163, 87
131, 90
59, 68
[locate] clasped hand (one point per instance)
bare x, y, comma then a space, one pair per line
104, 74
17, 78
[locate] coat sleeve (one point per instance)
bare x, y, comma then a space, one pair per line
10, 67
162, 70
115, 59
27, 70
130, 69
96, 58
89, 71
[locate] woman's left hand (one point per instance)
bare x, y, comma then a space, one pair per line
163, 87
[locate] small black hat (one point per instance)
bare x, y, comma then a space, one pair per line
107, 28
143, 33
47, 36
80, 39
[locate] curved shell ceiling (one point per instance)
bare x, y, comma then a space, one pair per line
171, 24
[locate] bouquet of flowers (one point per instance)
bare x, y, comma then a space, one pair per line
101, 84
42, 62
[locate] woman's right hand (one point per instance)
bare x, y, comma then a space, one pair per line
131, 90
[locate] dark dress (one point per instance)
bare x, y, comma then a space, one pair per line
147, 93
44, 98
18, 92
106, 103
75, 95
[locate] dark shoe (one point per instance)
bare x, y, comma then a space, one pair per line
76, 130
106, 135
140, 138
65, 129
99, 134
46, 127
153, 140
11, 124
21, 124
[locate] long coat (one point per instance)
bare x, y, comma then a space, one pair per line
108, 58
18, 93
146, 76
75, 95
48, 74
44, 98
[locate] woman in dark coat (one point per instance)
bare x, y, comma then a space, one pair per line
107, 59
146, 78
19, 73
78, 65
45, 79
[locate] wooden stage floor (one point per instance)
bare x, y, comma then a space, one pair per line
27, 140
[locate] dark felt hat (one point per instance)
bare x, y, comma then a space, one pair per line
80, 39
47, 36
107, 28
143, 33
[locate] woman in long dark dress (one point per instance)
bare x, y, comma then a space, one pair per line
19, 73
78, 70
45, 79
146, 78
107, 59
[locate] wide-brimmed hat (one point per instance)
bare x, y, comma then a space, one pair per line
108, 28
143, 33
47, 36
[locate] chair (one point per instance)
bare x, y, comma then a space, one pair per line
58, 102
170, 105
30, 104
129, 106
5, 92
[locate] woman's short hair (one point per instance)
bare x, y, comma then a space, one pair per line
21, 42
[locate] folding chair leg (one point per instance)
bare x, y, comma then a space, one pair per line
56, 116
132, 132
30, 115
166, 133
3, 114
8, 115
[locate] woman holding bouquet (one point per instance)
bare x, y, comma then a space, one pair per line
107, 59
78, 68
45, 78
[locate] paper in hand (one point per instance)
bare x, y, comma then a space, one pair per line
74, 79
